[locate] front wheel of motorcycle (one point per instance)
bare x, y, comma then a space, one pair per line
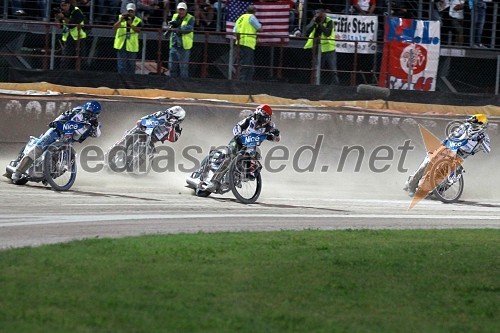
245, 184
117, 159
447, 191
59, 167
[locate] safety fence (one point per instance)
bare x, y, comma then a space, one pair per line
476, 26
36, 45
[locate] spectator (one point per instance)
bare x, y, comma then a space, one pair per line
222, 13
363, 7
456, 18
442, 7
204, 15
399, 9
167, 12
321, 27
106, 11
126, 42
181, 41
478, 8
72, 20
294, 13
146, 8
247, 26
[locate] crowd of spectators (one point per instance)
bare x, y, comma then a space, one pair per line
456, 16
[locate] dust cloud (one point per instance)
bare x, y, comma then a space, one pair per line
329, 159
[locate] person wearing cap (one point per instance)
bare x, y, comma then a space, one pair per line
181, 41
247, 26
72, 21
126, 42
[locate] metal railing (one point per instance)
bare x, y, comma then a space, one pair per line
35, 45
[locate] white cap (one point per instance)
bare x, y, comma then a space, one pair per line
131, 6
182, 5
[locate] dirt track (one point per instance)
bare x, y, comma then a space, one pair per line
329, 197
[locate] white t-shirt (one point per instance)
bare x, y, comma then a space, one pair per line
457, 14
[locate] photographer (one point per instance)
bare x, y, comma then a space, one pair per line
321, 29
181, 41
126, 42
72, 21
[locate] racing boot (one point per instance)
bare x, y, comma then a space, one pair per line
21, 168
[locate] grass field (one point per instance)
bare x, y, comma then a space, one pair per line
307, 281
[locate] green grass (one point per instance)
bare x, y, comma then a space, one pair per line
309, 281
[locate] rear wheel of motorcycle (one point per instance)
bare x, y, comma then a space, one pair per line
245, 187
59, 167
441, 190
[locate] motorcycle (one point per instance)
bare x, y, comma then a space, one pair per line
137, 147
56, 166
241, 175
445, 176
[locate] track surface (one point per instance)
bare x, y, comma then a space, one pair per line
103, 205
33, 215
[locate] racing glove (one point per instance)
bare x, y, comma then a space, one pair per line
237, 138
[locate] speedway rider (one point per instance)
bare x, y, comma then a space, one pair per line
170, 130
477, 140
88, 113
259, 122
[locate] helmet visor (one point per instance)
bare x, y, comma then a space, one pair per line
474, 120
262, 119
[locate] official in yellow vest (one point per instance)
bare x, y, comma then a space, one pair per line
181, 41
126, 42
321, 29
247, 25
73, 35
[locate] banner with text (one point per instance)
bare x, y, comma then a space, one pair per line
411, 54
355, 28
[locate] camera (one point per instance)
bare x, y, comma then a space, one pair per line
56, 10
173, 24
318, 19
126, 17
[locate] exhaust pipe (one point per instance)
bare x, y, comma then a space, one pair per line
192, 182
10, 169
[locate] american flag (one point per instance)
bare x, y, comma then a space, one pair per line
274, 17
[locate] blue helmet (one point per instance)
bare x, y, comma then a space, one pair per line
92, 107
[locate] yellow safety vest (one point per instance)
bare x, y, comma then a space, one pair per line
327, 43
73, 31
121, 35
187, 39
248, 32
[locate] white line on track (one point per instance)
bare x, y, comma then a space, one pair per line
17, 220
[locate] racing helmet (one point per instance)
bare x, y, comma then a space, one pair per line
177, 112
477, 124
262, 114
92, 107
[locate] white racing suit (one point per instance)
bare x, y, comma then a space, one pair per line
222, 158
475, 143
170, 130
43, 142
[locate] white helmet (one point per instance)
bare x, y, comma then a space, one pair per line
177, 112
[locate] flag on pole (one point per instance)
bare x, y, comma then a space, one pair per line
274, 16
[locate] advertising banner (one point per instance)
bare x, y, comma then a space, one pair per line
411, 54
355, 28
